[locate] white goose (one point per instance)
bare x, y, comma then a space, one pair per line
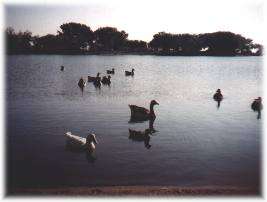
86, 143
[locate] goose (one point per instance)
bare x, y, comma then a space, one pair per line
141, 113
218, 95
62, 68
127, 73
106, 80
87, 143
97, 82
81, 83
257, 104
112, 71
141, 136
92, 79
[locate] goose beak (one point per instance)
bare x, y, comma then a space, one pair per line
157, 103
95, 140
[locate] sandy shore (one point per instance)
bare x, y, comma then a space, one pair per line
137, 191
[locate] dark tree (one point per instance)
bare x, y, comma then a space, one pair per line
76, 36
21, 42
79, 38
135, 45
187, 44
109, 39
49, 43
225, 43
163, 42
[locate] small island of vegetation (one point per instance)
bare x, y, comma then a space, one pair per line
76, 38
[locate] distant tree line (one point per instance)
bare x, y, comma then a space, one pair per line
75, 38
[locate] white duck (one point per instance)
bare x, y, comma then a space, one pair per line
86, 143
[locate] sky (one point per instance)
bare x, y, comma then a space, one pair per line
141, 19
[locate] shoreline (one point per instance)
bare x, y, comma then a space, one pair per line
138, 191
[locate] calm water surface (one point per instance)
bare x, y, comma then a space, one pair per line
196, 143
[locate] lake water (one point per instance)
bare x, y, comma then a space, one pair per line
196, 143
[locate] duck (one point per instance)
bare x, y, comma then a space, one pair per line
128, 73
81, 83
106, 80
97, 82
62, 68
257, 104
112, 71
92, 79
143, 114
218, 95
141, 136
88, 143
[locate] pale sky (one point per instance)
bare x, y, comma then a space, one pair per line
140, 18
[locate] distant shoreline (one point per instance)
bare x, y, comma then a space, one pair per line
120, 53
138, 191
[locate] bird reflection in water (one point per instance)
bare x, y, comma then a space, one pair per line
90, 155
143, 136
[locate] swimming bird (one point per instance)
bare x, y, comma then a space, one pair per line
257, 104
112, 71
88, 143
218, 95
106, 80
81, 83
92, 79
62, 68
128, 73
141, 113
97, 82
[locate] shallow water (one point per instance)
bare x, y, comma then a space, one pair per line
196, 143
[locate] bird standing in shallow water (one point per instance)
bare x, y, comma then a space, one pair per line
257, 106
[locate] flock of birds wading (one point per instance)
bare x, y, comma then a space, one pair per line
138, 114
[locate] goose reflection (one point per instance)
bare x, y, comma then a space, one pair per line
218, 104
143, 136
140, 136
89, 155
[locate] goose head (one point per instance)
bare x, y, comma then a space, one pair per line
91, 138
154, 102
98, 74
132, 70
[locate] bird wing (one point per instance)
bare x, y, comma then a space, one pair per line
139, 110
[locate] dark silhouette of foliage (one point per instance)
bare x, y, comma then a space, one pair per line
135, 45
18, 42
49, 43
224, 43
109, 39
76, 38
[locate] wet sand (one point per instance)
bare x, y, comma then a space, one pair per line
138, 191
